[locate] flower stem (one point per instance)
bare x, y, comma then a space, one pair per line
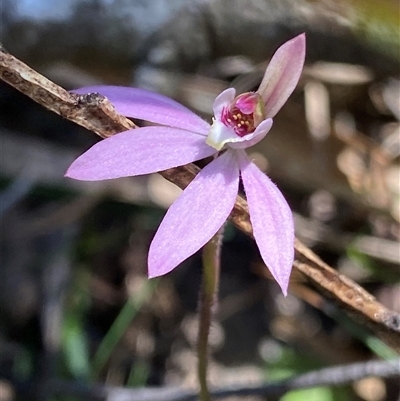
208, 296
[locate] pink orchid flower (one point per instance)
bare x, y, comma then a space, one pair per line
182, 137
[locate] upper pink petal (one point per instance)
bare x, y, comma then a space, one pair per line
150, 106
282, 74
196, 215
272, 221
139, 151
224, 99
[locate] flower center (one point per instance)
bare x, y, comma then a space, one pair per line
244, 114
242, 124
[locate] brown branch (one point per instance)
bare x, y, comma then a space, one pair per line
92, 111
96, 113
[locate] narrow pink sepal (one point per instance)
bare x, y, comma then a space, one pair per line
196, 215
139, 151
272, 221
283, 74
150, 106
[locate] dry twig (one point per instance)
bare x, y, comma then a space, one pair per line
337, 375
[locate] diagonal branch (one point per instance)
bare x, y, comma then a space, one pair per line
92, 111
97, 114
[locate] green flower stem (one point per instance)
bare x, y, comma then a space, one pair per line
208, 296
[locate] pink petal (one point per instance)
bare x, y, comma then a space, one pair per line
251, 139
139, 151
282, 74
224, 99
150, 106
196, 215
272, 221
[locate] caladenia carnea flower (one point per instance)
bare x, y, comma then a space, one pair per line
182, 137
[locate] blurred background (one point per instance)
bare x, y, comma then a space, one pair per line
75, 302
